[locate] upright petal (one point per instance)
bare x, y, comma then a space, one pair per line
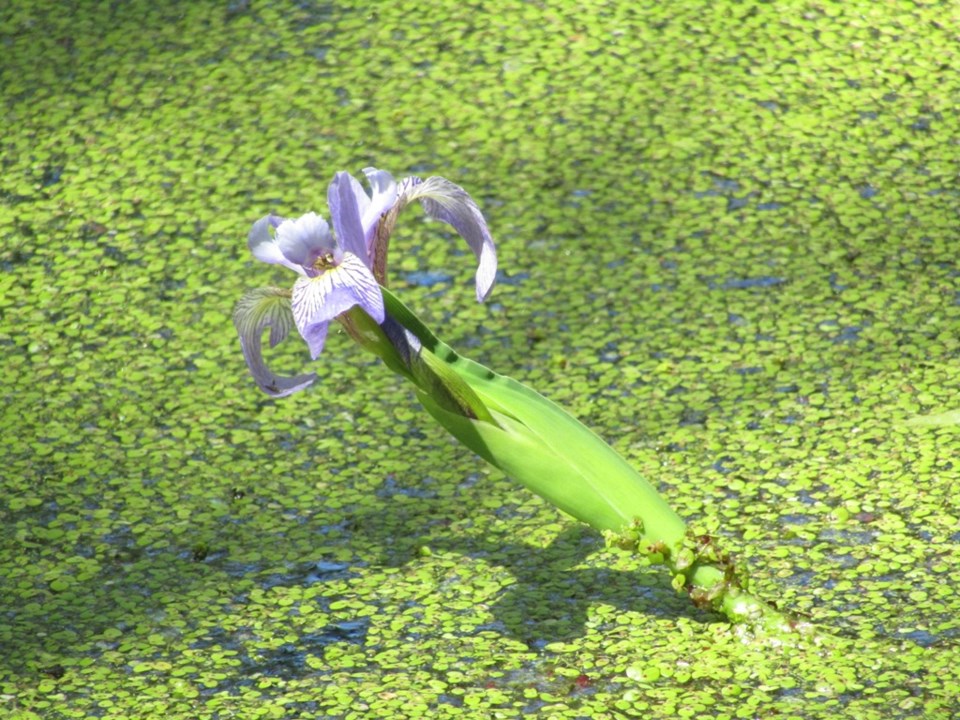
264, 246
384, 189
383, 228
256, 311
305, 239
447, 201
347, 201
318, 300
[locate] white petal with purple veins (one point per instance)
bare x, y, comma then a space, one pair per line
318, 300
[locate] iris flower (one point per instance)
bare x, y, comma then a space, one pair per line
342, 270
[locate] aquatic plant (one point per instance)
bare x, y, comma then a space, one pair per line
528, 437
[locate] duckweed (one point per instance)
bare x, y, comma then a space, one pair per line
728, 242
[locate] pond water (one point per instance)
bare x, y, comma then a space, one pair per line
727, 241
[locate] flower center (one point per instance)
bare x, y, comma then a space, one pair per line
324, 262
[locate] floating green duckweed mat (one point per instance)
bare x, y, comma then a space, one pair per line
728, 241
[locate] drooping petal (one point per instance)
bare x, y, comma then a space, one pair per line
447, 201
264, 246
347, 201
384, 197
256, 311
305, 239
318, 300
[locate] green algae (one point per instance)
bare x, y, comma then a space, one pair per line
728, 242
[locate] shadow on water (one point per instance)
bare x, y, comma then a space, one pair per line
552, 593
143, 596
551, 598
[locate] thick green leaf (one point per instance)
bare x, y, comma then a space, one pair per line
520, 455
440, 381
545, 448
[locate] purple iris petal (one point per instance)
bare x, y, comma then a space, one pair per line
345, 196
318, 300
256, 311
274, 385
384, 197
305, 239
264, 245
447, 201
